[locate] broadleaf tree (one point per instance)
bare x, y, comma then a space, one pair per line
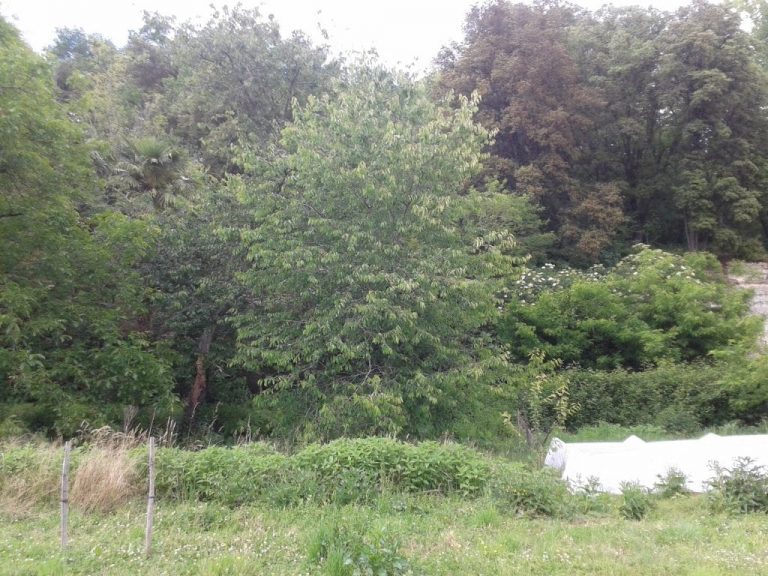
516, 57
373, 284
69, 292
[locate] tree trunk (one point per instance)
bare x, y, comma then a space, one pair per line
197, 394
525, 429
691, 236
198, 387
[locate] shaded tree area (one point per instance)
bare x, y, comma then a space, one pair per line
515, 56
166, 115
69, 287
625, 125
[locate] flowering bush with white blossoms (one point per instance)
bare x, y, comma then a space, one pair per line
548, 277
652, 306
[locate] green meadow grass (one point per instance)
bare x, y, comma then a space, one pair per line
431, 534
336, 511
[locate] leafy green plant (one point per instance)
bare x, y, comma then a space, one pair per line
636, 501
747, 387
342, 472
742, 488
428, 466
652, 307
671, 484
536, 492
543, 400
347, 547
228, 475
589, 498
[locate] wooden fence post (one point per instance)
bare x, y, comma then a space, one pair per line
65, 494
150, 498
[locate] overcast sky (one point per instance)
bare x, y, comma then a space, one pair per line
402, 31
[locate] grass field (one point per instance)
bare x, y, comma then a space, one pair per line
327, 510
427, 534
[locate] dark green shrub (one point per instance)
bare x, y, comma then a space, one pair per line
747, 384
521, 490
652, 307
636, 502
671, 484
71, 416
11, 427
33, 416
742, 488
474, 419
676, 397
282, 414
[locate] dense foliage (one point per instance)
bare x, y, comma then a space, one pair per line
627, 124
376, 276
343, 471
223, 227
69, 284
650, 308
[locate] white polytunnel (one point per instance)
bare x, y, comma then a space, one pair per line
608, 465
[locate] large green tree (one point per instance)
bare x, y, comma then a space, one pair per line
516, 57
373, 280
235, 79
715, 94
68, 289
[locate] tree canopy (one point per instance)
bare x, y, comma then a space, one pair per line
68, 282
373, 285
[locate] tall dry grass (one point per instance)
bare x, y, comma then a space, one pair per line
107, 471
106, 437
105, 479
108, 474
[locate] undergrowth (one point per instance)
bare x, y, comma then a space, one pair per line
742, 488
108, 471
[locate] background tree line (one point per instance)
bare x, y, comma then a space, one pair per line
226, 226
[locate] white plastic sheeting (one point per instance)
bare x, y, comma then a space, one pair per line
610, 464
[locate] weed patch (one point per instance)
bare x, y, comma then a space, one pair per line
636, 502
743, 488
105, 479
345, 546
29, 477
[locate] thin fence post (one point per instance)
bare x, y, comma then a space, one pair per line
150, 498
65, 494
